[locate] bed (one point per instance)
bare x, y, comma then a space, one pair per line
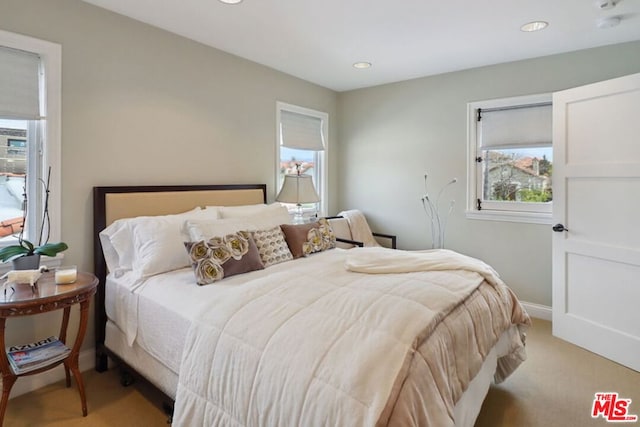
365, 336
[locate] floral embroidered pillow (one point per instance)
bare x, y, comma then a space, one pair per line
221, 257
305, 239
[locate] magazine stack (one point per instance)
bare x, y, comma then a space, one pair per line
29, 357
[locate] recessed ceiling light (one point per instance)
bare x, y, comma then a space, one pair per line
231, 1
362, 64
534, 26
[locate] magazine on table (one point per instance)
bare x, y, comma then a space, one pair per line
29, 357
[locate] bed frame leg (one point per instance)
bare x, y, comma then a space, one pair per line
102, 361
168, 409
126, 379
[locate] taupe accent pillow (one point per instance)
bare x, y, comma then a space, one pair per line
305, 239
272, 247
221, 257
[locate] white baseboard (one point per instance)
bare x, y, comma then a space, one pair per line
30, 383
537, 310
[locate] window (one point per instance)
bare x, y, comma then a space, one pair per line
302, 143
29, 136
510, 159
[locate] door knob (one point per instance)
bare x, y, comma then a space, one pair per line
559, 228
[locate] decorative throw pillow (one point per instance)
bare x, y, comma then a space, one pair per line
305, 239
221, 257
272, 247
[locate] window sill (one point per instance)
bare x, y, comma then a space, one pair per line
524, 217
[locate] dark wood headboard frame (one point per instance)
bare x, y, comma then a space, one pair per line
100, 267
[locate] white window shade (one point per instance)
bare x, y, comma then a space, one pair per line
515, 127
300, 131
19, 84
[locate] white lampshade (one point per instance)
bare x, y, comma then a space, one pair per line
298, 189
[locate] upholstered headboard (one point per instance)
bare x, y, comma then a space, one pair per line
112, 203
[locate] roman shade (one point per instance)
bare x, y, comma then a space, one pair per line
19, 84
515, 127
300, 131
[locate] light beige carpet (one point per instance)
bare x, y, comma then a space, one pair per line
554, 387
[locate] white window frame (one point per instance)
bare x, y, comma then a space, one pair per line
320, 156
48, 147
536, 213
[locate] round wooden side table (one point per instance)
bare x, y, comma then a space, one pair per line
45, 296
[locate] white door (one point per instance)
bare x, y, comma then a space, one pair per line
596, 197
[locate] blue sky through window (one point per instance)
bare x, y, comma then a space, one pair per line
302, 155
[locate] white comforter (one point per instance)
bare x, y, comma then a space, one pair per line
316, 344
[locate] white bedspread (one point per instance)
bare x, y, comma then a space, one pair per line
316, 344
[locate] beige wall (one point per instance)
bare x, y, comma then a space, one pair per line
143, 106
391, 135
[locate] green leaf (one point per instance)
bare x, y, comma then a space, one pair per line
51, 249
10, 252
27, 245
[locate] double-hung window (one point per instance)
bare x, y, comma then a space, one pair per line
29, 138
510, 159
302, 148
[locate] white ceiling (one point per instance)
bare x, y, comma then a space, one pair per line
319, 40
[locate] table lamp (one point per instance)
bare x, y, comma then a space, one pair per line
298, 188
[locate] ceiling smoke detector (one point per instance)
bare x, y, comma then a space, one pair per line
605, 4
609, 22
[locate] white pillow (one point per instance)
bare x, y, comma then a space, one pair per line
148, 244
158, 243
196, 229
250, 210
111, 239
117, 243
